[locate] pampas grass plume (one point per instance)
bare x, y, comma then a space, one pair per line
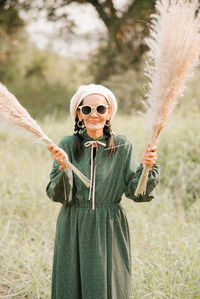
174, 44
14, 113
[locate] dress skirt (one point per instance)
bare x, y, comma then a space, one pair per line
92, 257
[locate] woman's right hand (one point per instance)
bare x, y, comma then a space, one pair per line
59, 155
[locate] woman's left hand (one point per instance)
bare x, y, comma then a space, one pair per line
150, 156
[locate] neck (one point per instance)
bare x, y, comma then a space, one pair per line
95, 134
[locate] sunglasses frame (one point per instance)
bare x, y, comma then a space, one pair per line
93, 107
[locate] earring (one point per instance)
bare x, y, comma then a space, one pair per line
80, 124
107, 123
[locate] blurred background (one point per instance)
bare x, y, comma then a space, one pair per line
47, 50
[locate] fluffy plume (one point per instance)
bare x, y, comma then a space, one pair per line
14, 113
174, 44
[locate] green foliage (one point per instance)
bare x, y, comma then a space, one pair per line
11, 45
183, 181
128, 88
10, 21
164, 232
123, 45
45, 81
41, 81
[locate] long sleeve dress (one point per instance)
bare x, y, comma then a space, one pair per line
92, 256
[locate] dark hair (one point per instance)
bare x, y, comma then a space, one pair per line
78, 146
111, 144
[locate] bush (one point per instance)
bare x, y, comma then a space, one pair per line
128, 88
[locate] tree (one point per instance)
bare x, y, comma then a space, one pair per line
10, 27
126, 32
10, 20
123, 46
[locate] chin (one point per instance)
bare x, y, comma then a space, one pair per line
94, 127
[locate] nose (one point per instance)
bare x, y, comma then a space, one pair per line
93, 112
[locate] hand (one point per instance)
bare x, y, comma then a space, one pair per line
59, 155
150, 156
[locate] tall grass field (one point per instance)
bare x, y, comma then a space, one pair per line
165, 232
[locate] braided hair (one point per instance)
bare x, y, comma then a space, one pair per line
111, 144
78, 146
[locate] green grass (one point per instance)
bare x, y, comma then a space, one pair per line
165, 233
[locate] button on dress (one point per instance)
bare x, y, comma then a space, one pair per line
92, 255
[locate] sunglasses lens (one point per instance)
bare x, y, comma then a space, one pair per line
86, 110
101, 109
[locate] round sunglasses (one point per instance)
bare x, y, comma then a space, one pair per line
87, 109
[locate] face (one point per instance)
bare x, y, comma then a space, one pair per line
94, 121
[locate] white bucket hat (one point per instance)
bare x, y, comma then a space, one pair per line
85, 90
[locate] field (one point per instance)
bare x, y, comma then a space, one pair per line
165, 233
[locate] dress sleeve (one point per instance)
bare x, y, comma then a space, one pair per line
132, 176
59, 188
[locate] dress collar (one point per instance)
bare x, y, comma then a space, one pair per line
86, 137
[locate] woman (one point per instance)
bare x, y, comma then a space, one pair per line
92, 257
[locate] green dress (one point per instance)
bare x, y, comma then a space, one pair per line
92, 256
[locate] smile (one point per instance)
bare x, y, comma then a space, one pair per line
94, 122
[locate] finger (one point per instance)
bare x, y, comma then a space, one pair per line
59, 160
149, 157
146, 161
55, 150
148, 148
59, 151
61, 156
152, 155
56, 157
153, 148
50, 147
58, 154
62, 167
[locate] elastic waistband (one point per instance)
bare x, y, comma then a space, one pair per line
88, 204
